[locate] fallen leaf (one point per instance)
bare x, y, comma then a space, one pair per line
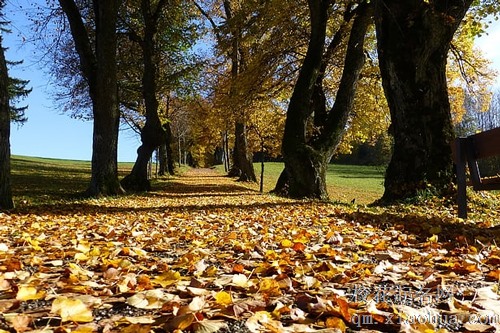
26, 293
209, 326
223, 298
71, 310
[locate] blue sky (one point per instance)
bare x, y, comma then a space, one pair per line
49, 133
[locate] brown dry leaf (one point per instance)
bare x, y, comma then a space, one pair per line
208, 326
149, 299
19, 322
181, 322
88, 328
173, 261
493, 275
140, 320
344, 308
136, 328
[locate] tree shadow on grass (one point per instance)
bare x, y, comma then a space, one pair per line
48, 185
453, 233
91, 208
176, 189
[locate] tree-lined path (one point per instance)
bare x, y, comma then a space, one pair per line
202, 252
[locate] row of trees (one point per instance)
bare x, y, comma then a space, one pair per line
250, 72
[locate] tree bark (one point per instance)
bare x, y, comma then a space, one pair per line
170, 153
98, 65
307, 156
152, 134
242, 161
413, 41
162, 160
6, 201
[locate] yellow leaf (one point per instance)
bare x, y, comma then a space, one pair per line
286, 243
26, 293
223, 298
367, 246
414, 276
334, 322
85, 329
167, 279
211, 271
81, 257
381, 246
270, 287
71, 310
433, 239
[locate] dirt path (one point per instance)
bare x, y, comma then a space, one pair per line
208, 188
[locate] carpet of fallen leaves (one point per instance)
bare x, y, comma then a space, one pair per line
206, 254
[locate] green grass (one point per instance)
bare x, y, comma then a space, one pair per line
344, 182
37, 180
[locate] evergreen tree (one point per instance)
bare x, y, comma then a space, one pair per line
5, 182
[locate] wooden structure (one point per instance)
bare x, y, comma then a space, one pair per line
466, 152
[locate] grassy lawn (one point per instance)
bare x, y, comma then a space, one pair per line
37, 180
344, 182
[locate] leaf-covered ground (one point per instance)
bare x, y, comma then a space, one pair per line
205, 254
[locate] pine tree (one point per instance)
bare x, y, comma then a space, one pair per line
5, 182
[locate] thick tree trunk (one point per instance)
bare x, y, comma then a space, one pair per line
162, 160
170, 153
302, 163
6, 201
104, 180
137, 180
152, 134
242, 162
98, 64
307, 157
412, 56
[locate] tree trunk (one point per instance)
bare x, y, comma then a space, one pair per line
307, 157
170, 153
104, 180
413, 42
6, 201
162, 160
98, 65
152, 134
242, 162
